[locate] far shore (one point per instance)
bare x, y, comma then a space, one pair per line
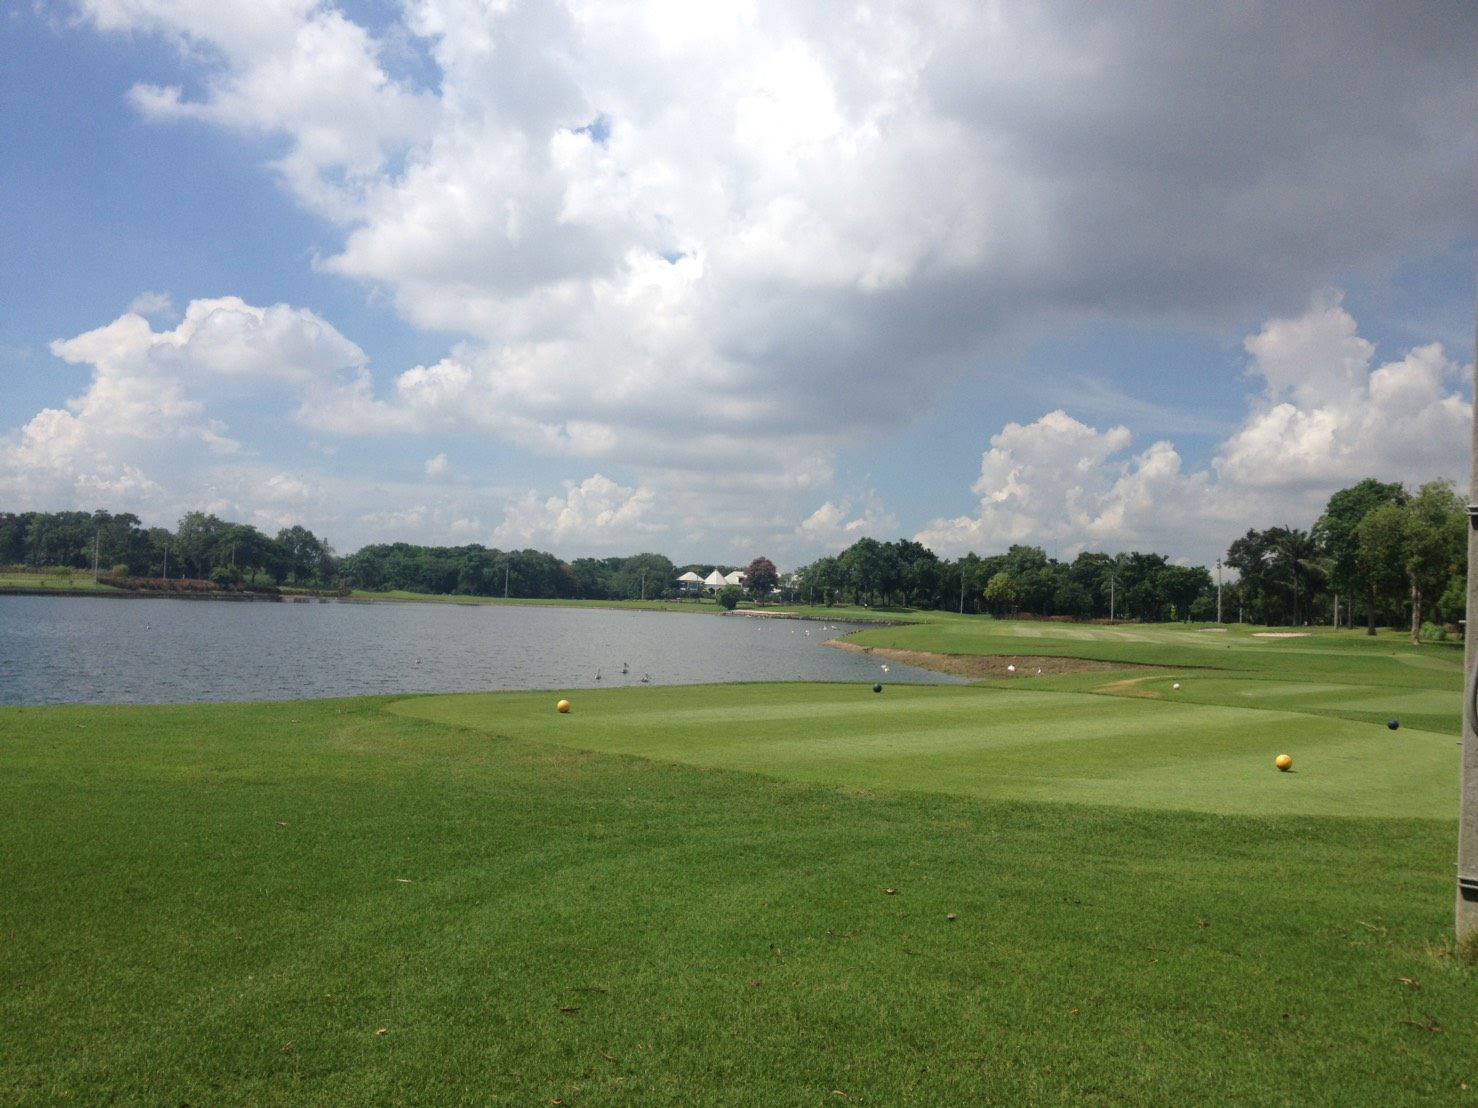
815, 615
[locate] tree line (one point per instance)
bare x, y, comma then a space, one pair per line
1377, 552
204, 547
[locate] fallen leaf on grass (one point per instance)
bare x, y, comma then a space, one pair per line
1072, 1011
569, 1009
609, 1057
282, 823
754, 984
1410, 982
1203, 923
1372, 926
288, 1049
951, 916
405, 880
841, 1093
891, 892
381, 1031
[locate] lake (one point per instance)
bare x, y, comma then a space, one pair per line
56, 650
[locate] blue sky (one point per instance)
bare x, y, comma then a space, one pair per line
1055, 277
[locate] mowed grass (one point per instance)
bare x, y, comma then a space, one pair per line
331, 902
1018, 744
54, 579
1345, 674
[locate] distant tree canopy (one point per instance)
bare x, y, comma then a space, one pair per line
1393, 556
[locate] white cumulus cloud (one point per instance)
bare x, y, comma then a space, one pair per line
1326, 417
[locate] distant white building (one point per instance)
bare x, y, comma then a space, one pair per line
691, 582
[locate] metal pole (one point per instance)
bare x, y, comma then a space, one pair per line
97, 538
1218, 590
166, 559
1467, 834
506, 568
644, 585
1111, 596
962, 586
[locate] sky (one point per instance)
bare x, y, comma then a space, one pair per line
729, 279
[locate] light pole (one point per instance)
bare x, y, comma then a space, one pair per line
1467, 834
1218, 590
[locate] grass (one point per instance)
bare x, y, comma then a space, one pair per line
997, 743
1346, 674
742, 893
59, 579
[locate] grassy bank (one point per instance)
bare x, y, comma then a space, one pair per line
475, 899
53, 579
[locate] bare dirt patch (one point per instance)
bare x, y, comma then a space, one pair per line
988, 665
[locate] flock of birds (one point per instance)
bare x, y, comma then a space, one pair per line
646, 678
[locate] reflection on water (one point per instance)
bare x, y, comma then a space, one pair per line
77, 649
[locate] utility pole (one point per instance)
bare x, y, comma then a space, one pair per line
1467, 834
97, 539
962, 588
1111, 596
166, 559
506, 569
1218, 590
643, 584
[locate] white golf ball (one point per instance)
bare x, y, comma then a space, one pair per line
1176, 685
1010, 669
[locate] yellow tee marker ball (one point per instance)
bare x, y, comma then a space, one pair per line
562, 706
1283, 762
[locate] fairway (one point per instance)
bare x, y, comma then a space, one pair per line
990, 742
332, 902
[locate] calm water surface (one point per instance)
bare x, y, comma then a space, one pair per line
78, 650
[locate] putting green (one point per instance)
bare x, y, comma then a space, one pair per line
1001, 743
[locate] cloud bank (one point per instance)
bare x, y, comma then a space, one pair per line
1325, 417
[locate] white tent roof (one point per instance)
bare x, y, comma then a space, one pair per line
690, 577
716, 579
735, 578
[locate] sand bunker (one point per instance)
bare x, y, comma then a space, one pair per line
1280, 634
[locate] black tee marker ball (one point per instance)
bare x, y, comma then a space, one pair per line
877, 688
1393, 724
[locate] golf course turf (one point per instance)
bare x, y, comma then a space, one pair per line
743, 893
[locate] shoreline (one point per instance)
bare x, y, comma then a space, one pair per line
980, 666
673, 607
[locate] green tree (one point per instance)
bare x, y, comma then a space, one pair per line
1334, 533
1381, 535
1000, 591
1434, 545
